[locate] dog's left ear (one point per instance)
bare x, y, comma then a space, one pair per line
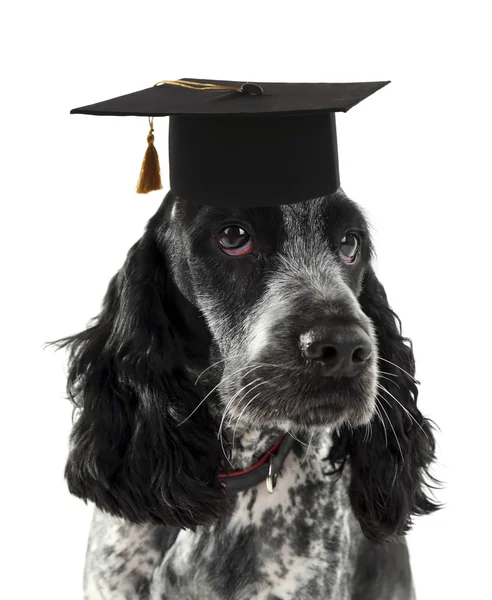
389, 467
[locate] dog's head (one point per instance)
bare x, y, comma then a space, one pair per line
277, 288
279, 314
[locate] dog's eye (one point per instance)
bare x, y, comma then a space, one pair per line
235, 241
349, 247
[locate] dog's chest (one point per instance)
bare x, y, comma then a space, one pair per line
293, 543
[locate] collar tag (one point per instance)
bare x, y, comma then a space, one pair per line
271, 480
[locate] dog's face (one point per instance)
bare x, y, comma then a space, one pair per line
278, 289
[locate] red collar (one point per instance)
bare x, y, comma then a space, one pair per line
243, 479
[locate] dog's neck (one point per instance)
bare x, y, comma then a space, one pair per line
248, 446
245, 447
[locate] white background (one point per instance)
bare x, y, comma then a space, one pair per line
416, 155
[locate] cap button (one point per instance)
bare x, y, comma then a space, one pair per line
253, 89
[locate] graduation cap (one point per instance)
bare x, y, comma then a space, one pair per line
242, 144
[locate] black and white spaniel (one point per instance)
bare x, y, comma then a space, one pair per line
246, 418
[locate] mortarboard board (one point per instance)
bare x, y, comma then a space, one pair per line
242, 144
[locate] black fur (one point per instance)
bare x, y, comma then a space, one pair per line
128, 380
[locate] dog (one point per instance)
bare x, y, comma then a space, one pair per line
259, 343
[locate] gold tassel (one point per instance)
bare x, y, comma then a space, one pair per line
150, 172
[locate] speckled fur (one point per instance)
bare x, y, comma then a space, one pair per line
301, 542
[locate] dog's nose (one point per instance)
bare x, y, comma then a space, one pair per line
342, 350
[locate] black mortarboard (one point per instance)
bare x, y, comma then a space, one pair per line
243, 144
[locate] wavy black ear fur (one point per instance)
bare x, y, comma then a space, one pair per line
128, 383
390, 477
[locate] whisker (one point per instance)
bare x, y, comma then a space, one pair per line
239, 418
307, 452
296, 439
390, 374
378, 412
408, 413
245, 367
394, 433
305, 455
243, 398
214, 388
304, 443
388, 379
398, 367
241, 389
219, 433
368, 430
218, 362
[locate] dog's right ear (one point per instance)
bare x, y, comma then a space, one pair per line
390, 471
129, 454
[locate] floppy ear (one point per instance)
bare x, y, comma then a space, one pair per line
390, 467
128, 381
